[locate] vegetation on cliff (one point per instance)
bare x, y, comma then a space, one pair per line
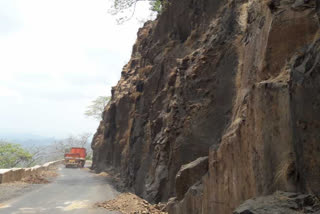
96, 108
125, 9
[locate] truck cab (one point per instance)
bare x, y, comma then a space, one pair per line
76, 157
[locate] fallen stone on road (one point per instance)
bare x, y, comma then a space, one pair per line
128, 203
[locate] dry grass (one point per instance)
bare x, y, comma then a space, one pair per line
285, 171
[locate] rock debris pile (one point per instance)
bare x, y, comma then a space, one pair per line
128, 203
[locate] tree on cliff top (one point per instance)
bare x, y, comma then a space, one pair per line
62, 146
96, 108
126, 8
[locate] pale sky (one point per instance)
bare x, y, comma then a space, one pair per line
55, 57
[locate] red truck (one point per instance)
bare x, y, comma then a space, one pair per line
75, 158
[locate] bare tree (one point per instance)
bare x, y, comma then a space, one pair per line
39, 155
96, 108
62, 146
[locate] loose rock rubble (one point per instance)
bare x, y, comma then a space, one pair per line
42, 178
35, 179
128, 203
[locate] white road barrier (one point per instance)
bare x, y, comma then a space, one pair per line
17, 174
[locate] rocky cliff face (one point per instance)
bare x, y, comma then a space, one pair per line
237, 81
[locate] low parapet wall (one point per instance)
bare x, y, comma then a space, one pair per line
17, 174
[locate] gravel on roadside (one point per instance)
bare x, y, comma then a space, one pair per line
128, 203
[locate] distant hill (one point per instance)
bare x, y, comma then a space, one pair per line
26, 140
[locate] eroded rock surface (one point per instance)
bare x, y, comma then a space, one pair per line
237, 81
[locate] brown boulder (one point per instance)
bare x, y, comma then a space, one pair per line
282, 203
189, 174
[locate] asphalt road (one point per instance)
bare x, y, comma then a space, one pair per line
74, 191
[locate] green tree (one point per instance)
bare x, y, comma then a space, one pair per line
96, 108
13, 155
158, 5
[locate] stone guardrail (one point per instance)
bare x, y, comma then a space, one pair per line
17, 174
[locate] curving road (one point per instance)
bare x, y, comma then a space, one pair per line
74, 191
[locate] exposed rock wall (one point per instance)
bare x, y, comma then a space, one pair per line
237, 81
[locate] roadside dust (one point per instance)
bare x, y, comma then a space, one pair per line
128, 203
